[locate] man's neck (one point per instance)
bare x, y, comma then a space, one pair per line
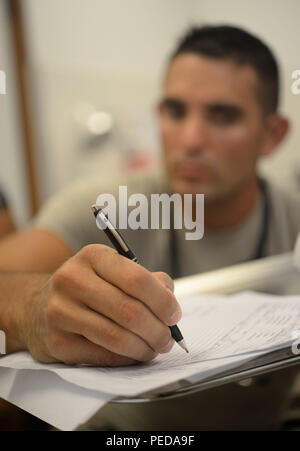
231, 212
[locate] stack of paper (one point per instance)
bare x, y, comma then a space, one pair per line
221, 332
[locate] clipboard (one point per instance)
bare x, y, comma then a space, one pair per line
260, 365
276, 275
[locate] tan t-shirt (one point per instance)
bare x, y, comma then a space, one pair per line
68, 215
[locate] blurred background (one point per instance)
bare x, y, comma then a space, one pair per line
83, 77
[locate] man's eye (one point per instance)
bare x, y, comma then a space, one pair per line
175, 111
223, 118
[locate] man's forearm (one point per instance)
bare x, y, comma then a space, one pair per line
18, 294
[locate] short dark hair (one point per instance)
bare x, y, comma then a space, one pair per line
232, 43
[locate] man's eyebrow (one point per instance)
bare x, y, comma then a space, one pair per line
216, 106
235, 110
211, 108
172, 101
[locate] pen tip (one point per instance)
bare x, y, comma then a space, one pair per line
183, 345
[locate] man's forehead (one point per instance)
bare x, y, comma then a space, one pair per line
193, 77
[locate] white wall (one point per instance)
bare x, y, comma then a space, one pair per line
12, 174
111, 54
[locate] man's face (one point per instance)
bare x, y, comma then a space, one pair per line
212, 126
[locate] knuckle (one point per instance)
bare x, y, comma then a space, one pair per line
70, 276
138, 278
89, 251
132, 313
63, 277
166, 280
92, 252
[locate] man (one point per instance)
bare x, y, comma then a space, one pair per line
218, 115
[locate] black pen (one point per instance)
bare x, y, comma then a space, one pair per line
123, 249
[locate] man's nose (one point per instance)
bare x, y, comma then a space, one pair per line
194, 133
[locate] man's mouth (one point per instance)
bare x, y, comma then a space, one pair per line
193, 171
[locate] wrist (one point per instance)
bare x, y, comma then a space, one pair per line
17, 319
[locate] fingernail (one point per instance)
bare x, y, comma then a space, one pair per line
168, 346
175, 317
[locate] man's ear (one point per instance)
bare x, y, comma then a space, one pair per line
277, 128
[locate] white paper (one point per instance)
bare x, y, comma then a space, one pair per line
50, 398
220, 332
